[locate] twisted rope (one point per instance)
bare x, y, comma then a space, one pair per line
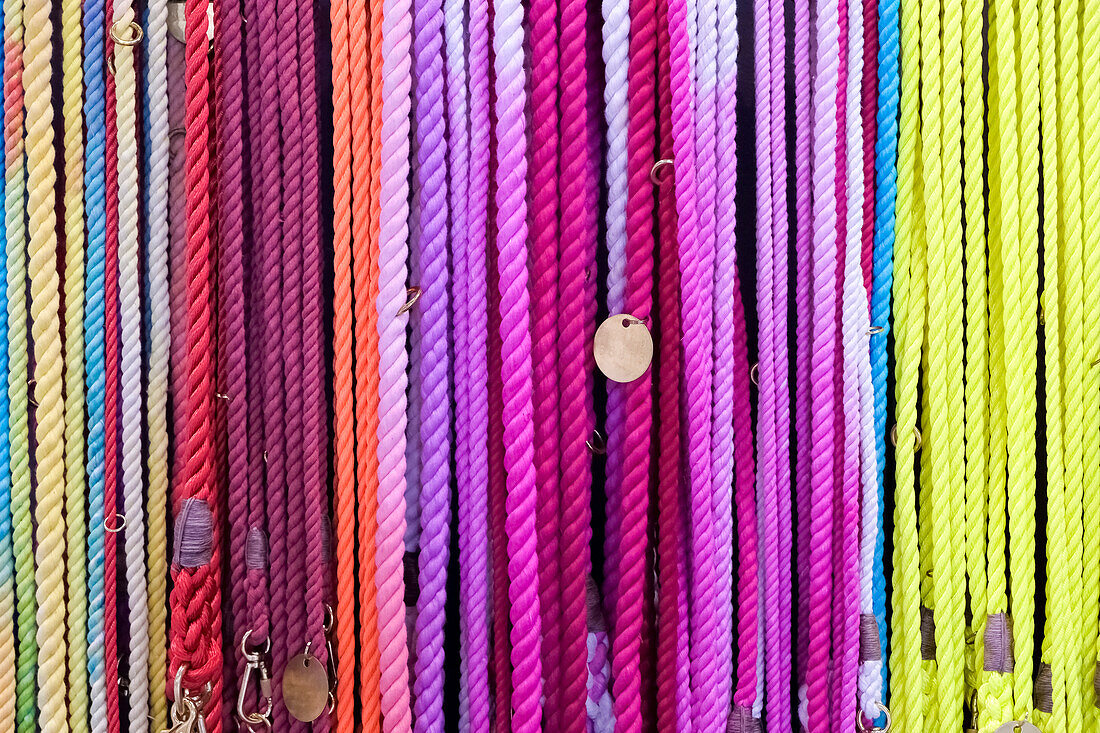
1058, 626
94, 312
343, 405
1022, 493
392, 253
435, 379
110, 397
158, 341
75, 517
472, 410
315, 429
576, 316
8, 600
195, 598
1090, 166
516, 373
674, 698
18, 367
1077, 674
49, 452
130, 339
366, 69
543, 175
823, 388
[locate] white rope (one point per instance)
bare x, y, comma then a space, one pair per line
129, 192
158, 341
616, 40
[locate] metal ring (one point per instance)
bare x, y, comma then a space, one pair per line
597, 444
875, 330
864, 729
754, 374
330, 618
136, 34
655, 171
261, 650
414, 294
120, 521
917, 439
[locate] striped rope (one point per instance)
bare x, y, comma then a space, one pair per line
18, 368
8, 631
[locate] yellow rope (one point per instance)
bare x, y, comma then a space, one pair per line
76, 523
951, 570
1073, 353
1090, 145
46, 333
907, 676
1057, 630
1023, 422
994, 698
977, 362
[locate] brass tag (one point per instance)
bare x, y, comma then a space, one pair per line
623, 348
305, 687
1018, 726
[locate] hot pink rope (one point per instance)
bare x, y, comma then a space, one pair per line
515, 331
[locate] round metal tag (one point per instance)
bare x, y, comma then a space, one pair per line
305, 687
1018, 726
623, 348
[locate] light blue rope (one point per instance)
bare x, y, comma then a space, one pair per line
886, 190
94, 315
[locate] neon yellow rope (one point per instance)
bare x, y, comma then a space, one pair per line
1090, 145
907, 676
1073, 353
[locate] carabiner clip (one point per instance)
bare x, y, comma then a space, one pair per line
254, 662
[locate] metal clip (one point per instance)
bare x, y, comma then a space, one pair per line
330, 620
186, 708
254, 662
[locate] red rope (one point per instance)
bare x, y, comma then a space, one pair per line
196, 594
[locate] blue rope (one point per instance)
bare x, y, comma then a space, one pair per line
94, 315
886, 190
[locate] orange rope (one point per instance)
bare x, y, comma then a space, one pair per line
366, 105
344, 408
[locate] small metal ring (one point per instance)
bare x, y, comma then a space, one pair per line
414, 294
330, 618
875, 330
120, 521
655, 171
917, 439
261, 650
136, 34
874, 728
597, 444
754, 374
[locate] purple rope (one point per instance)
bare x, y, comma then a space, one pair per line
823, 359
318, 528
292, 640
803, 313
473, 405
435, 384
